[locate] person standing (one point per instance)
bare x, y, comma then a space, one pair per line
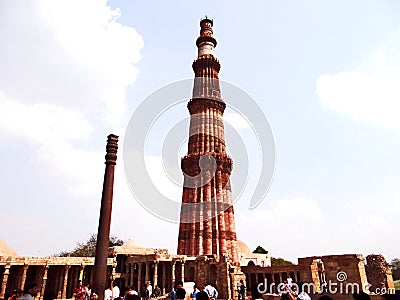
88, 291
241, 290
80, 291
16, 294
194, 293
149, 290
94, 296
108, 294
115, 291
211, 291
30, 291
156, 291
289, 281
180, 292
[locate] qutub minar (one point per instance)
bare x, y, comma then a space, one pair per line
208, 249
207, 218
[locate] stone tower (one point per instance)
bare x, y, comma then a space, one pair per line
207, 224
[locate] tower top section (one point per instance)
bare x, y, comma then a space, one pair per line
206, 42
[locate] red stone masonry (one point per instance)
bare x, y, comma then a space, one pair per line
207, 224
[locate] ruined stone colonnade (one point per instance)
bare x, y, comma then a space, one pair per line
58, 275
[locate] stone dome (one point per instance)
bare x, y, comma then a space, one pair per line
243, 248
6, 250
131, 244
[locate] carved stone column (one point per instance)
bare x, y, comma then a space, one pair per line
44, 280
58, 290
183, 270
173, 273
114, 266
155, 276
65, 282
163, 278
23, 277
81, 272
250, 281
147, 278
127, 271
139, 283
4, 282
132, 268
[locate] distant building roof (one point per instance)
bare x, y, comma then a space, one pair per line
131, 244
243, 248
6, 250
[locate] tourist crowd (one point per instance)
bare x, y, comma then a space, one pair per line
288, 291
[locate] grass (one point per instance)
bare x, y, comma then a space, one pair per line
397, 284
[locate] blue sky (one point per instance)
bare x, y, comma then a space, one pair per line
325, 73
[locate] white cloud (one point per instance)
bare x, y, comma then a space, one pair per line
83, 169
41, 122
65, 66
70, 53
369, 93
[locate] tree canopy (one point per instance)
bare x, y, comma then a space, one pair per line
280, 262
395, 268
260, 250
88, 248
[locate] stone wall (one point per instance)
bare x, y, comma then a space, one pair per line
379, 273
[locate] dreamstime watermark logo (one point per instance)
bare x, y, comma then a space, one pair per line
204, 124
330, 287
341, 276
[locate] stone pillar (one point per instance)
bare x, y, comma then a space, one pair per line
65, 282
127, 271
183, 270
139, 282
147, 277
91, 274
4, 282
103, 233
81, 272
155, 276
23, 277
44, 280
272, 282
163, 278
73, 276
132, 273
113, 274
58, 288
250, 281
173, 273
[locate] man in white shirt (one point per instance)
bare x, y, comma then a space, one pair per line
211, 291
108, 294
289, 281
149, 289
115, 291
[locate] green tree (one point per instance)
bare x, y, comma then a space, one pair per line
88, 248
280, 262
395, 268
260, 250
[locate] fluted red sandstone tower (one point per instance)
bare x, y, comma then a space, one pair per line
207, 224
